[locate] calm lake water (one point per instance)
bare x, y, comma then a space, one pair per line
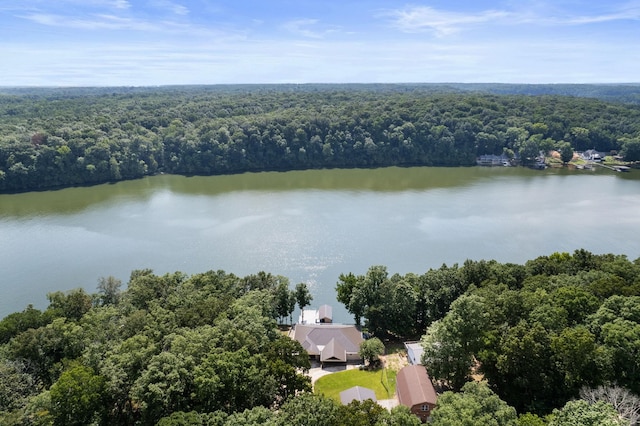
308, 225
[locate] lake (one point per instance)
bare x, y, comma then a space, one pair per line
309, 226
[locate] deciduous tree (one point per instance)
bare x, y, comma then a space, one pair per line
371, 349
476, 404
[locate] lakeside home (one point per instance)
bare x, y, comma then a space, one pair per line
490, 160
325, 341
415, 390
329, 342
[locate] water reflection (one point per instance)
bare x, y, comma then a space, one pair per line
309, 226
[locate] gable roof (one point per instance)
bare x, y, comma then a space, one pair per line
414, 386
358, 393
325, 312
309, 346
333, 351
334, 339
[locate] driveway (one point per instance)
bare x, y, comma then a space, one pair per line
316, 371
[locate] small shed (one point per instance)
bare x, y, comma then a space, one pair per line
325, 314
414, 352
415, 390
357, 393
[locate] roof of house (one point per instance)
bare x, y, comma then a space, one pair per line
333, 351
328, 340
414, 386
358, 393
325, 312
313, 316
414, 352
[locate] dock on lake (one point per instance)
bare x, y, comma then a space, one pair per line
615, 168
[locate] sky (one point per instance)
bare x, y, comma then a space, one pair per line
165, 42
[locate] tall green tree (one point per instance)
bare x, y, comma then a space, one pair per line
345, 287
165, 386
631, 149
303, 297
77, 397
16, 385
527, 375
451, 343
371, 349
310, 410
476, 404
109, 290
361, 413
285, 300
566, 151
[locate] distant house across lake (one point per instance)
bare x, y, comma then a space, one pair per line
493, 160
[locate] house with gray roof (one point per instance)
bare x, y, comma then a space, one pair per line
329, 342
357, 393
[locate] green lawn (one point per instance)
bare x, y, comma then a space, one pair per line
332, 384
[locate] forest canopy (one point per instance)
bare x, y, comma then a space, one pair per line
206, 349
78, 136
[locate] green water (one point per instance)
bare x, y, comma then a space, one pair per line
308, 225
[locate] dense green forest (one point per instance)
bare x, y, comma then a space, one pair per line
78, 136
206, 349
538, 332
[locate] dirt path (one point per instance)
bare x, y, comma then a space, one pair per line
395, 361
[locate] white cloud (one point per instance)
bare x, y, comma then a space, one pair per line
121, 4
306, 28
280, 61
173, 7
443, 22
418, 19
113, 22
626, 15
92, 22
163, 46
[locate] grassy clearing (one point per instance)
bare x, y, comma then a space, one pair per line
382, 382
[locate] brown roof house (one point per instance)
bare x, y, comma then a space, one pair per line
415, 390
357, 393
329, 342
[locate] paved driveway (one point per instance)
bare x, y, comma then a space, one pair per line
315, 372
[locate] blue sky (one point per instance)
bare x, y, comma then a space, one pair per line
158, 42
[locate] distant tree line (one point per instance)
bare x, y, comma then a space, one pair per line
51, 138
